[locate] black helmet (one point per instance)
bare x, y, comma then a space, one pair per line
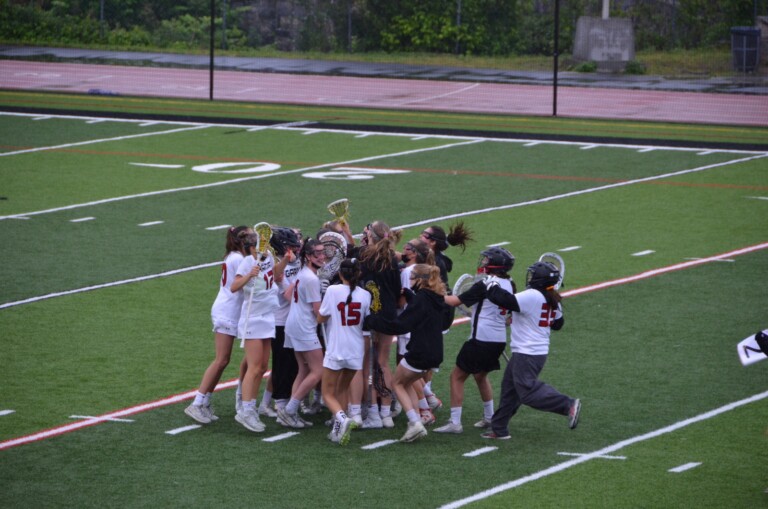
542, 276
283, 238
495, 260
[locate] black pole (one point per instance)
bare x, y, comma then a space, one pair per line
557, 50
213, 34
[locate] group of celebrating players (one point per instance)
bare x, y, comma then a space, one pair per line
327, 313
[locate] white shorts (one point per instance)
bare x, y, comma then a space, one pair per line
258, 327
301, 345
407, 366
224, 326
339, 364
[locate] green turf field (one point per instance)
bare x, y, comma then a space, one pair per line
112, 230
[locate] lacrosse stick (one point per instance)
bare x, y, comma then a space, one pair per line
463, 284
556, 260
263, 235
339, 209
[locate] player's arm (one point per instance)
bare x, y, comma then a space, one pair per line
502, 298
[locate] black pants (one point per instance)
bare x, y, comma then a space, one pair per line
284, 366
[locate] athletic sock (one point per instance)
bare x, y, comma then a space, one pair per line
265, 400
340, 416
456, 414
413, 415
428, 389
488, 410
249, 405
293, 406
199, 399
423, 405
386, 410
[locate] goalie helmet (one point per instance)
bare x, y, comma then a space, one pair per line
495, 260
282, 239
542, 276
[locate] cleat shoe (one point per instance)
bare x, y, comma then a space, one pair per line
434, 402
288, 420
373, 421
493, 436
250, 420
334, 435
484, 423
305, 423
387, 422
312, 409
358, 420
415, 431
345, 430
573, 414
198, 413
397, 408
267, 412
427, 417
451, 427
212, 416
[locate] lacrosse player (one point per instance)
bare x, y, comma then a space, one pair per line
343, 310
258, 278
536, 311
301, 331
225, 313
425, 317
479, 355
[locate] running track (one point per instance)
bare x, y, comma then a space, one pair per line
396, 94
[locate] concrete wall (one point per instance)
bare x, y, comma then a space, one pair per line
608, 42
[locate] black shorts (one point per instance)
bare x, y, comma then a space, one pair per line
479, 356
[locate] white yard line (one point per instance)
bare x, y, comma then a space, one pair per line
103, 140
683, 468
233, 181
603, 452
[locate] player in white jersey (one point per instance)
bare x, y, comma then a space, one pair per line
225, 314
343, 310
301, 331
488, 338
257, 278
535, 312
284, 366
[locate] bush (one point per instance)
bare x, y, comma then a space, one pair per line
586, 67
635, 67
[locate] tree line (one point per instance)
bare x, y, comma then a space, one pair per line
467, 27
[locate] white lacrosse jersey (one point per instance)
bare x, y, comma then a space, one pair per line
531, 326
301, 324
227, 304
284, 305
490, 324
260, 292
345, 325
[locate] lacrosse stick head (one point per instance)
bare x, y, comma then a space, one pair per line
463, 284
335, 251
264, 232
339, 209
556, 260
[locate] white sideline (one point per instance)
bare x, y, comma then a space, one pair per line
602, 452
